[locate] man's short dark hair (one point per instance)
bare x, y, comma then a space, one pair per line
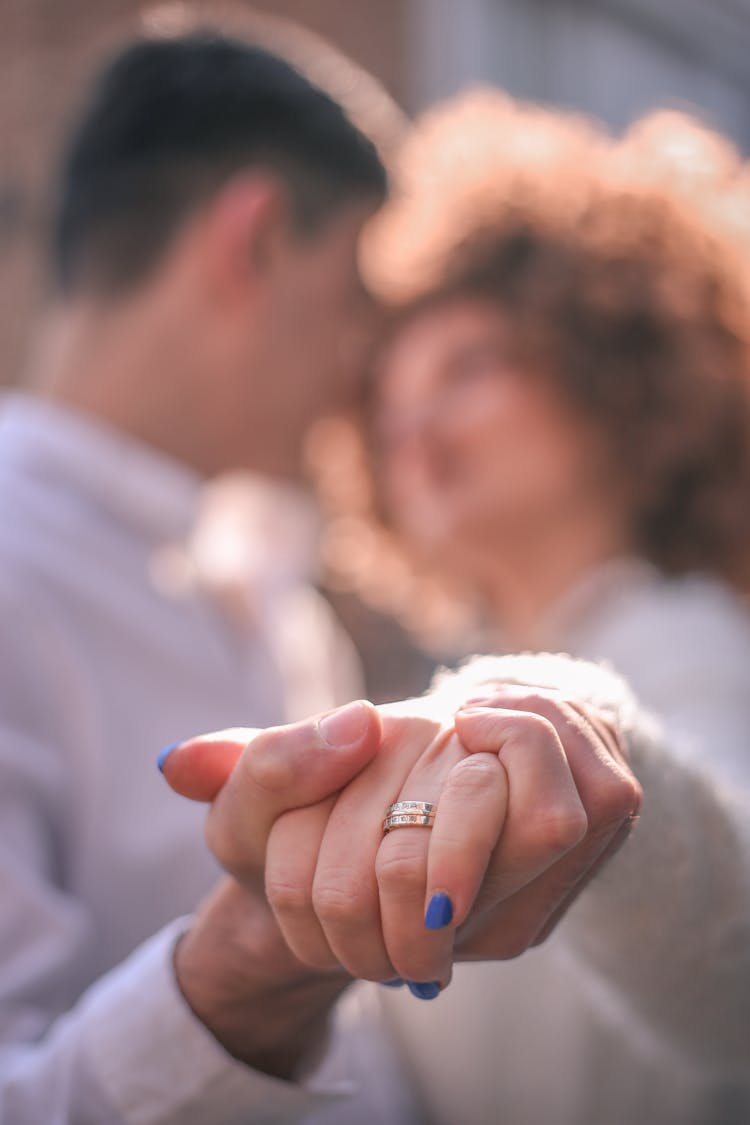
170, 121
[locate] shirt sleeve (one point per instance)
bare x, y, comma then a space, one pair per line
130, 1052
127, 1049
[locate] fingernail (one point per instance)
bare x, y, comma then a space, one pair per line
439, 912
345, 726
165, 754
424, 990
397, 983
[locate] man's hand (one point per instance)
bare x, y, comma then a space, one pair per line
233, 966
242, 981
251, 777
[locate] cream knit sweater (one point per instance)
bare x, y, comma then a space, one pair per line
637, 1010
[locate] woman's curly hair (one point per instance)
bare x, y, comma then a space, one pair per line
622, 286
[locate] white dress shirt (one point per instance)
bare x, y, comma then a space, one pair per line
110, 649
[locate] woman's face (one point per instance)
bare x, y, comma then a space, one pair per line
470, 445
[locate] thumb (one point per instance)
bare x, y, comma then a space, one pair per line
200, 766
252, 782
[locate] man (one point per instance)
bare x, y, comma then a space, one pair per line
208, 308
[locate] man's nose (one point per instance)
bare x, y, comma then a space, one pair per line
412, 426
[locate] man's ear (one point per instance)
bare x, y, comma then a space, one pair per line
244, 229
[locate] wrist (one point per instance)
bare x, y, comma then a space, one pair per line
241, 981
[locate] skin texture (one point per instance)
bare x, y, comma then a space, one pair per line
241, 980
483, 465
244, 335
533, 795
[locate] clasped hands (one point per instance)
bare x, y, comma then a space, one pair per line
533, 793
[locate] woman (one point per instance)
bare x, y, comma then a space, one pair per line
563, 408
563, 432
567, 431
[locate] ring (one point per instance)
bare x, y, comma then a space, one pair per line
410, 814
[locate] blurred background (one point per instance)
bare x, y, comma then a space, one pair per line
612, 58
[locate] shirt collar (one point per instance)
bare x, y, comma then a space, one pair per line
132, 481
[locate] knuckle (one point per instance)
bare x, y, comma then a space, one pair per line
536, 704
472, 776
400, 871
535, 730
536, 701
339, 901
558, 828
541, 728
617, 797
266, 767
287, 896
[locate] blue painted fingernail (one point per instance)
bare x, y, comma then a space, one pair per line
424, 990
439, 912
164, 755
397, 983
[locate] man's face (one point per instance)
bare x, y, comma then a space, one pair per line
316, 329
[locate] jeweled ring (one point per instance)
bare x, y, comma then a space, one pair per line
410, 814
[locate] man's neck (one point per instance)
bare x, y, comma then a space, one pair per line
120, 367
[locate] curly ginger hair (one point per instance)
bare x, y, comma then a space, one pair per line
621, 268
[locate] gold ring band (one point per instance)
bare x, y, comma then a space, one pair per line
411, 806
410, 814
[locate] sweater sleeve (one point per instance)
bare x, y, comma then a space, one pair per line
667, 924
664, 928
